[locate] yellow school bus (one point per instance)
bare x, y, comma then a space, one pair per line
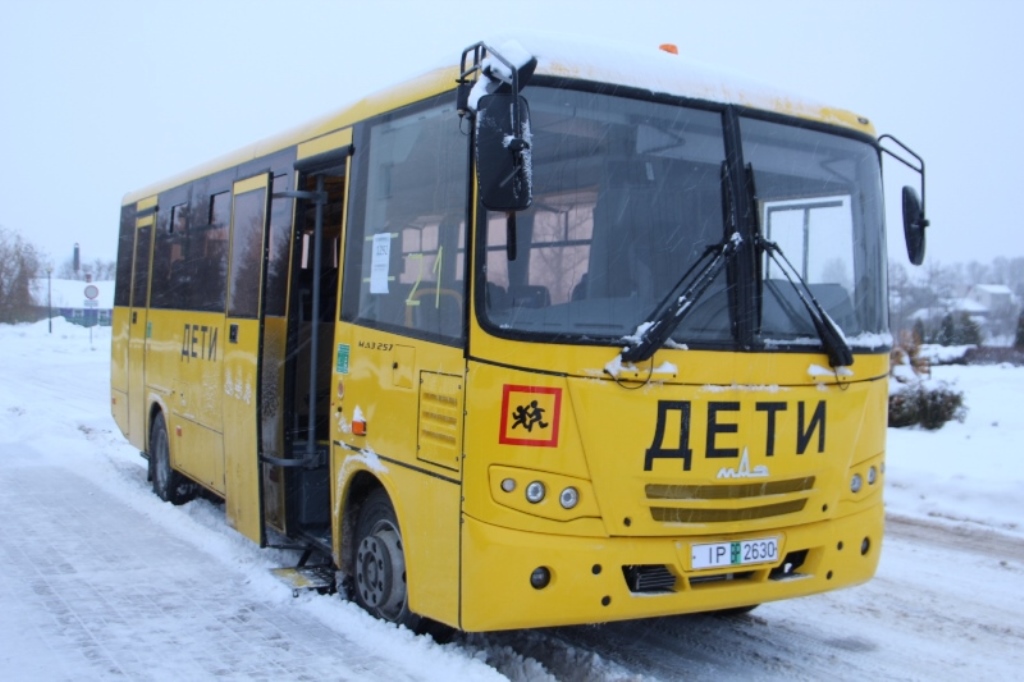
555, 334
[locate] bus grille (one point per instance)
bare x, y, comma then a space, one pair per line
729, 492
652, 578
702, 499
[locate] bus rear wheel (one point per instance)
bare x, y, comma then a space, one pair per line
168, 484
379, 576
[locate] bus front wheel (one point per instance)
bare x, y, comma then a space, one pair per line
380, 577
168, 484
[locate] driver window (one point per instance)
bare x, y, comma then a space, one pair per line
412, 229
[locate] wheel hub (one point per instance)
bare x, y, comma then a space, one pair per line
380, 572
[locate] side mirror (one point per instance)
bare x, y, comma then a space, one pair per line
503, 155
914, 224
914, 221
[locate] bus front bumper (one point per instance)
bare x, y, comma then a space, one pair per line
593, 580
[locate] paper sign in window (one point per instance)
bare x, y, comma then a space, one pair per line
380, 263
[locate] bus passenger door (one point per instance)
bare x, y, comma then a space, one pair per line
242, 397
138, 333
311, 314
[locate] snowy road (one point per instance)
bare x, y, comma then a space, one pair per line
99, 580
943, 606
94, 590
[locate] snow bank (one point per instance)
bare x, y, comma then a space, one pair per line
943, 355
968, 473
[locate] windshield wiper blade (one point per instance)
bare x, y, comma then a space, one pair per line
650, 336
832, 339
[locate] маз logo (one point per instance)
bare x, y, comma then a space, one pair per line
744, 470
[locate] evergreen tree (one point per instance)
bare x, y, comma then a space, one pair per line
967, 330
958, 329
947, 331
919, 335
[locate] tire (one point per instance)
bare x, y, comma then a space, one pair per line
168, 484
379, 579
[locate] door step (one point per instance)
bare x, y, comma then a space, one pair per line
302, 578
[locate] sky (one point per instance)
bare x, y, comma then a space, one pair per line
103, 97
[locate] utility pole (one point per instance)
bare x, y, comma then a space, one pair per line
49, 298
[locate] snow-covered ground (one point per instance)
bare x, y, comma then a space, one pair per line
99, 580
968, 474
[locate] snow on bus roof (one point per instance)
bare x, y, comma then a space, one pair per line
658, 71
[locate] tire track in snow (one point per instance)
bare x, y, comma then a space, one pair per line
938, 609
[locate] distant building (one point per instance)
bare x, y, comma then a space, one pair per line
992, 296
993, 307
67, 298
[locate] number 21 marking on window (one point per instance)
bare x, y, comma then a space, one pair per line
412, 300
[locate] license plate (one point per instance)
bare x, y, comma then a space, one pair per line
741, 553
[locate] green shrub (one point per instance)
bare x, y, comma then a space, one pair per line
904, 409
929, 404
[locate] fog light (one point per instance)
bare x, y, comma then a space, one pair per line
872, 475
569, 498
855, 483
865, 546
535, 492
508, 485
540, 578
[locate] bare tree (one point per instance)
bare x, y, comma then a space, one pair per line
937, 288
899, 297
98, 269
19, 265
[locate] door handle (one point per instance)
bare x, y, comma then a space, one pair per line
233, 333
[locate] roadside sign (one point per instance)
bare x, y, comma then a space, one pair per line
92, 291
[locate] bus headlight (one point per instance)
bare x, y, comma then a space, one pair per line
535, 492
855, 483
872, 475
569, 498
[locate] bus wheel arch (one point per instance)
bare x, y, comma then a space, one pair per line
358, 488
168, 484
376, 555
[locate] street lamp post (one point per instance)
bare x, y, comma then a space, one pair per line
49, 300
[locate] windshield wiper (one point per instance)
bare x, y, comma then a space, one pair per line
650, 336
836, 347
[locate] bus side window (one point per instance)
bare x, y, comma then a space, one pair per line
125, 251
246, 254
169, 287
208, 256
412, 188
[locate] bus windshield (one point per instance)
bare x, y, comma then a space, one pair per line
819, 202
628, 196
